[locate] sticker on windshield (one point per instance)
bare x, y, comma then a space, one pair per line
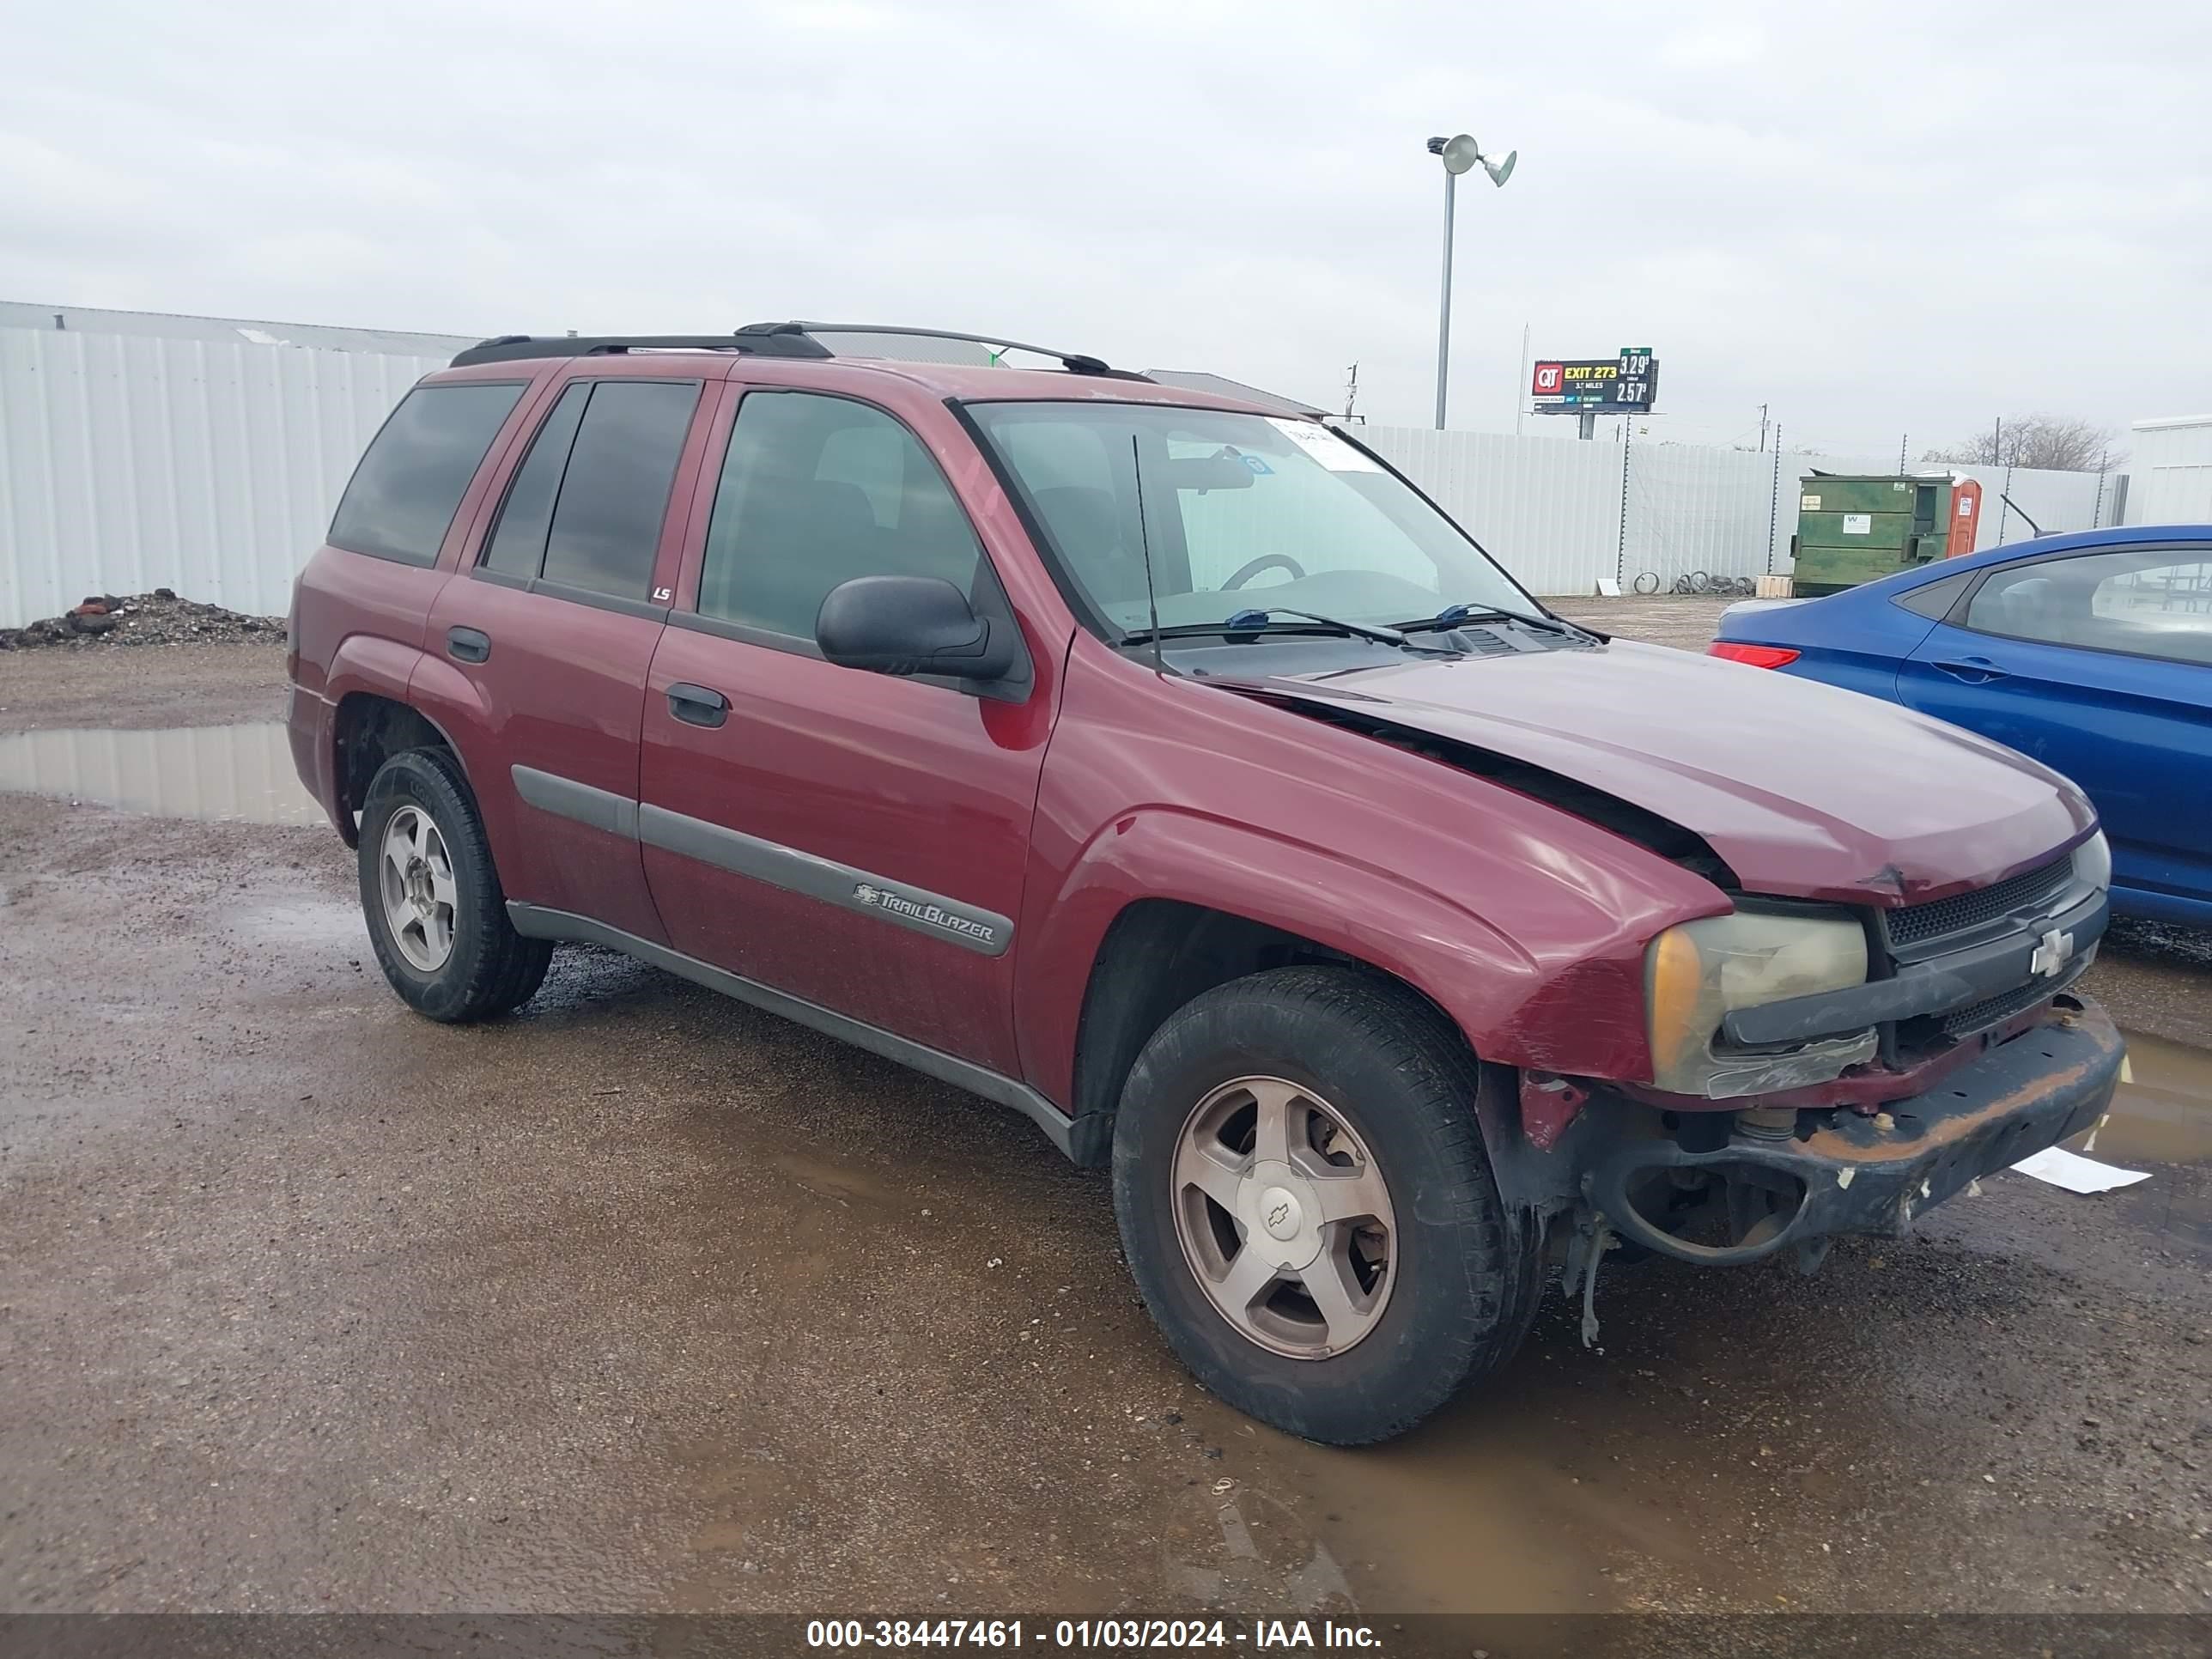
1324, 446
1256, 466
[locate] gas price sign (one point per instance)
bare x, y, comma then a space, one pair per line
1624, 384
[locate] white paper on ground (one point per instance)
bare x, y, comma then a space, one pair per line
2077, 1173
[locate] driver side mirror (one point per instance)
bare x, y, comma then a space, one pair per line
911, 625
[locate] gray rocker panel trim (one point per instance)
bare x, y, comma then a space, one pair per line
1072, 1135
565, 798
970, 927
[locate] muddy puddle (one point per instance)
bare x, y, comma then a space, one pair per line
237, 773
2163, 1114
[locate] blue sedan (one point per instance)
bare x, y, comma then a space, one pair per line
2091, 653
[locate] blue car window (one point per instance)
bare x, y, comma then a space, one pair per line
2143, 601
1936, 599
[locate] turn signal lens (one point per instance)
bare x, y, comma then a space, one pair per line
1758, 656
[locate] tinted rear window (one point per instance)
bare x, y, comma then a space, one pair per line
614, 493
403, 493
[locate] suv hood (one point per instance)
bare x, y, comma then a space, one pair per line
1806, 790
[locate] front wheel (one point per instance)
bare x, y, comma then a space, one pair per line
436, 914
1306, 1204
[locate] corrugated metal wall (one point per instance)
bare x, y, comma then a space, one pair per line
2172, 470
1559, 515
129, 463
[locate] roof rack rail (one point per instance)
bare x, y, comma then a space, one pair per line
765, 340
1076, 363
761, 339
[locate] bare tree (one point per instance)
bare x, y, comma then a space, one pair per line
2055, 443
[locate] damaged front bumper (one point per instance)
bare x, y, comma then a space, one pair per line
1841, 1172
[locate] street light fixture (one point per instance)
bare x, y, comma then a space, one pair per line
1459, 155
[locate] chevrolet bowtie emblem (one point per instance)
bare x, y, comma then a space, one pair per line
2052, 952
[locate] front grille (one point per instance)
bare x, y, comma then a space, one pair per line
1916, 924
1980, 1016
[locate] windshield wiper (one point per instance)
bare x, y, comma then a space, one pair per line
1260, 620
1455, 616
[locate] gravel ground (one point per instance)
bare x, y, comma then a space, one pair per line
1687, 622
644, 1300
201, 684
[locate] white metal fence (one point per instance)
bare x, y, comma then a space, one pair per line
1560, 512
129, 462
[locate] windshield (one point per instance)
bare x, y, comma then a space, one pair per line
1240, 511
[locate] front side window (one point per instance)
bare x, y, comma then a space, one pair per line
1238, 511
2146, 602
605, 528
403, 496
815, 491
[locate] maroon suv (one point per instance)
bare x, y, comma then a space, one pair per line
1181, 776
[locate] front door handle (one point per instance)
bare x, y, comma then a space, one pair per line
1974, 670
467, 645
697, 705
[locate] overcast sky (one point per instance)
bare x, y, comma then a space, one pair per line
1878, 219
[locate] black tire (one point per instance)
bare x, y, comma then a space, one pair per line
492, 969
1467, 1278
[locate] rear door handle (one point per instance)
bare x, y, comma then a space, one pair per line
467, 645
697, 705
1975, 671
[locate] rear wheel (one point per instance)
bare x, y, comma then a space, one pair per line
1307, 1207
436, 914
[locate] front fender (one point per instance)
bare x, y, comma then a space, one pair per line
1450, 953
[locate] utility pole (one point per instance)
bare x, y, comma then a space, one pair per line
1903, 438
1351, 389
1457, 154
1521, 386
1762, 428
1443, 307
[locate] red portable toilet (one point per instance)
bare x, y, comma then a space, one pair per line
1965, 516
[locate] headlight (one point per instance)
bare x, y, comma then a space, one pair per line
1696, 973
2092, 862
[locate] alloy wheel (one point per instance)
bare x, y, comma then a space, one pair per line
1283, 1217
415, 874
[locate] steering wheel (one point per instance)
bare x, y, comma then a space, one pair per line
1252, 567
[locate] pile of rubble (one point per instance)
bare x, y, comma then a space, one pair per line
156, 618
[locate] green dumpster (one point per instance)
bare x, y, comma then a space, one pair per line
1852, 528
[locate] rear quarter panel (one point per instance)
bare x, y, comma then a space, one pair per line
1855, 640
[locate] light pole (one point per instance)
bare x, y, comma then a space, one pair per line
1458, 154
